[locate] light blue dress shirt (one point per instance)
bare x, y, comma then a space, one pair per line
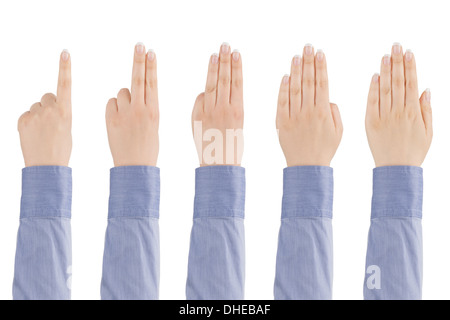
394, 260
304, 267
132, 253
43, 266
216, 268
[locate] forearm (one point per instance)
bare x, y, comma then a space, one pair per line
131, 267
43, 266
394, 264
216, 267
304, 269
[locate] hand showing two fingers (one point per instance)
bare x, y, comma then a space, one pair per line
132, 119
46, 130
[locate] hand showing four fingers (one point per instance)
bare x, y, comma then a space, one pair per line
309, 127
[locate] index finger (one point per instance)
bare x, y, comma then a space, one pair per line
64, 92
138, 78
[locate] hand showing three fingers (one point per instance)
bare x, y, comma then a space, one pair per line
398, 122
46, 130
310, 128
132, 119
220, 110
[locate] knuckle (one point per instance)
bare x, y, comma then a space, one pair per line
138, 81
152, 83
123, 93
283, 102
65, 82
308, 82
48, 97
385, 90
373, 101
237, 82
322, 83
200, 98
398, 82
410, 84
210, 89
295, 91
225, 80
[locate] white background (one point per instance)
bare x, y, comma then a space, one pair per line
101, 36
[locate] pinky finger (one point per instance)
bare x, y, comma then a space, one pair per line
425, 105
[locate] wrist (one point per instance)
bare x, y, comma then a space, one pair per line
308, 163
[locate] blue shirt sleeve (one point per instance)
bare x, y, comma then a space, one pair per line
394, 254
304, 267
216, 269
131, 263
43, 264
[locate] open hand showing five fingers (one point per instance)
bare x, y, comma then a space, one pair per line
132, 119
46, 130
398, 122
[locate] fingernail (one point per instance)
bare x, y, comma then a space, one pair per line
140, 48
408, 55
225, 48
397, 48
286, 79
375, 78
297, 60
428, 95
387, 59
236, 55
308, 49
215, 58
65, 55
320, 55
151, 55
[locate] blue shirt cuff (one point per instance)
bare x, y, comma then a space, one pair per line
397, 192
134, 192
46, 192
308, 192
219, 192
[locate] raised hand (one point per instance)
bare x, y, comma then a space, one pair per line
218, 113
310, 128
132, 119
398, 122
46, 130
